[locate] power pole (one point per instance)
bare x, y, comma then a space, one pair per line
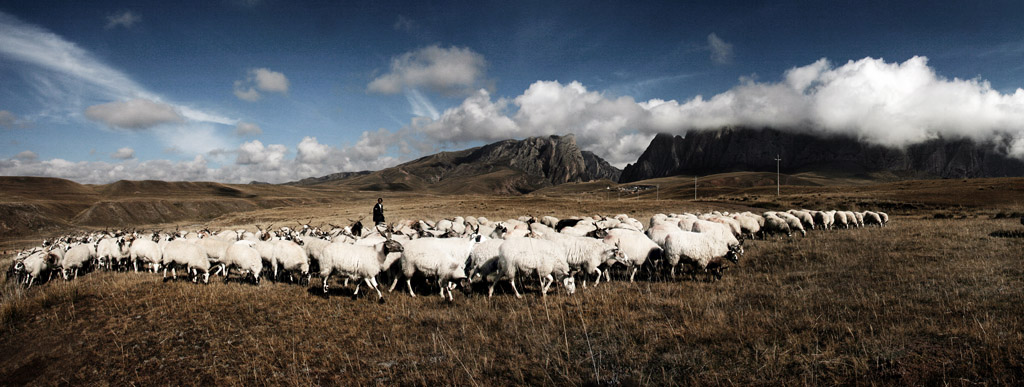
778, 176
694, 187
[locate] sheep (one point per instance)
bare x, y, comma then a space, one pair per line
774, 225
637, 249
289, 255
35, 264
243, 256
825, 218
840, 219
585, 254
529, 255
749, 224
444, 259
215, 247
145, 251
549, 221
871, 217
805, 218
703, 251
794, 223
190, 255
111, 251
720, 231
358, 263
483, 260
885, 218
76, 258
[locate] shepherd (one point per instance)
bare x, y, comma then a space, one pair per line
378, 212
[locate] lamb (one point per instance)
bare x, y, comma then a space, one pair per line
542, 257
145, 251
243, 256
703, 251
358, 263
444, 259
637, 249
180, 252
76, 259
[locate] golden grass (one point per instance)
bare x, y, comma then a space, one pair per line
924, 301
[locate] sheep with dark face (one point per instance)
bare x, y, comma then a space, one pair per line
357, 263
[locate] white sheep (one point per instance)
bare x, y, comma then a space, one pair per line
584, 254
76, 258
720, 231
483, 260
840, 219
111, 251
636, 248
181, 252
542, 257
243, 256
703, 251
871, 217
357, 263
440, 258
885, 218
35, 264
774, 225
795, 224
290, 256
146, 251
749, 224
805, 218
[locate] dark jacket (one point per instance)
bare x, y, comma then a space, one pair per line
378, 213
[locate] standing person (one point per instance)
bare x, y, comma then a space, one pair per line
378, 212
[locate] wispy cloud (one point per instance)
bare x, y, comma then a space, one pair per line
124, 19
721, 52
421, 105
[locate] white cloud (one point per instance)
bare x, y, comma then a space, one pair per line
133, 114
721, 52
65, 74
123, 154
125, 19
26, 155
421, 105
254, 153
193, 139
450, 70
892, 104
261, 79
248, 129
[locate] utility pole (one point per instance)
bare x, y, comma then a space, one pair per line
778, 176
694, 187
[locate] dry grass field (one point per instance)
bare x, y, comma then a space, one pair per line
930, 299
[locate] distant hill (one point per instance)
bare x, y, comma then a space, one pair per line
504, 167
745, 149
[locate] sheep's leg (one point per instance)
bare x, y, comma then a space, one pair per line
31, 279
165, 274
357, 290
635, 267
408, 283
76, 273
346, 283
174, 272
372, 283
598, 280
547, 284
206, 278
326, 277
393, 284
607, 274
512, 280
490, 289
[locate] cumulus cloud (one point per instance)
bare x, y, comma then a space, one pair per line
261, 79
133, 114
123, 154
451, 70
247, 129
26, 155
894, 104
124, 19
721, 52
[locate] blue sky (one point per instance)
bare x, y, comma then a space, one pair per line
234, 91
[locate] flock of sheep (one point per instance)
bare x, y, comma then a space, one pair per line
449, 253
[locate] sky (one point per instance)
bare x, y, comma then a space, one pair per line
270, 90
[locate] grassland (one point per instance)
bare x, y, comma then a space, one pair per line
931, 299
